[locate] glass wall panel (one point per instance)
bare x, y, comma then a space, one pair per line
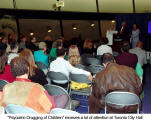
40, 28
84, 29
107, 25
8, 26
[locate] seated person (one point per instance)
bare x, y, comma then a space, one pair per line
63, 66
114, 77
141, 54
88, 46
32, 44
126, 58
14, 46
75, 59
35, 74
53, 55
3, 43
104, 48
40, 55
5, 73
26, 93
74, 55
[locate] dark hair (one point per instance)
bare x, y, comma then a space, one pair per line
107, 58
19, 66
13, 45
3, 60
104, 41
59, 44
136, 25
22, 36
60, 52
74, 41
125, 46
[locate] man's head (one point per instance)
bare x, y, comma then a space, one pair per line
123, 23
107, 58
14, 46
19, 67
125, 46
139, 44
61, 52
59, 44
104, 41
42, 46
33, 39
23, 38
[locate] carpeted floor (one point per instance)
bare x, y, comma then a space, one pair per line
83, 108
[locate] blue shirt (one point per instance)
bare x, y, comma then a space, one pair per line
40, 56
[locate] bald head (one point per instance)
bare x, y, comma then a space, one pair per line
139, 44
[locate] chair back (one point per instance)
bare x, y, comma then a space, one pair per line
115, 54
54, 90
2, 84
92, 61
62, 111
122, 99
41, 65
80, 78
18, 109
57, 77
84, 56
80, 66
99, 57
94, 69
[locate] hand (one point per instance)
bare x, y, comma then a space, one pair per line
90, 77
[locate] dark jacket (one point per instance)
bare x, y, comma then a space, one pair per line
39, 77
127, 59
3, 46
113, 78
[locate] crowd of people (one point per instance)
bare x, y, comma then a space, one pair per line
26, 80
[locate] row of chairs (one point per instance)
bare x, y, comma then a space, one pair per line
114, 98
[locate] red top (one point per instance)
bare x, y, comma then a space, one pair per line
7, 75
22, 79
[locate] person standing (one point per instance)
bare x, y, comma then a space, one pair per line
124, 32
135, 35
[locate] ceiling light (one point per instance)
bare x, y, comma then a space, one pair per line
74, 28
31, 33
49, 30
113, 21
92, 25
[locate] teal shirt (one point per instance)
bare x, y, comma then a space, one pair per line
40, 56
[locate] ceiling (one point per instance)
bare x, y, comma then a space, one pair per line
105, 6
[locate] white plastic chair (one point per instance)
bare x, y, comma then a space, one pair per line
62, 111
18, 109
122, 99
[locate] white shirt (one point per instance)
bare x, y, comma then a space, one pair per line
63, 66
141, 54
104, 49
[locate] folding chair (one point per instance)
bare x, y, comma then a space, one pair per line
122, 99
54, 90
